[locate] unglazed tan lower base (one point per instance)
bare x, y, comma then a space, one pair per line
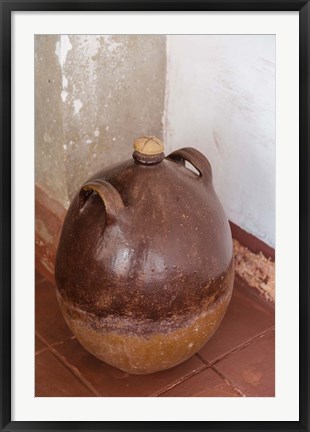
142, 354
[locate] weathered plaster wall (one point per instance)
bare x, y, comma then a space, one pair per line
94, 96
49, 133
221, 100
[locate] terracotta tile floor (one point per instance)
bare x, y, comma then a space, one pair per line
237, 361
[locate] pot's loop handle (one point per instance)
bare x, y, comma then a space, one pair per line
110, 197
193, 156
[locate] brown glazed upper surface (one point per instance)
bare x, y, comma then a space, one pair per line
171, 234
158, 256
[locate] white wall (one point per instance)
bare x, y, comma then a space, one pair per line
221, 99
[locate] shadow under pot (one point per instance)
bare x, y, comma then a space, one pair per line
144, 267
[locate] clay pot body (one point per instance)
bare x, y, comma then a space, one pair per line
144, 268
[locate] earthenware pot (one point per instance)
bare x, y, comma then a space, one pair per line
144, 267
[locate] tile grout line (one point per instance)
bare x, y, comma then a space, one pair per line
41, 351
50, 345
74, 371
244, 345
228, 382
183, 379
43, 282
238, 348
208, 364
42, 339
162, 392
253, 340
68, 366
39, 281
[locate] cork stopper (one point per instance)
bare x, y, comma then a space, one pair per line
149, 146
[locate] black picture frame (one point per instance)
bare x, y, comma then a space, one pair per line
6, 9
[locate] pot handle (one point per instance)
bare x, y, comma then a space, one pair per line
111, 199
193, 156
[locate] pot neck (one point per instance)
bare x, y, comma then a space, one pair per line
148, 159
